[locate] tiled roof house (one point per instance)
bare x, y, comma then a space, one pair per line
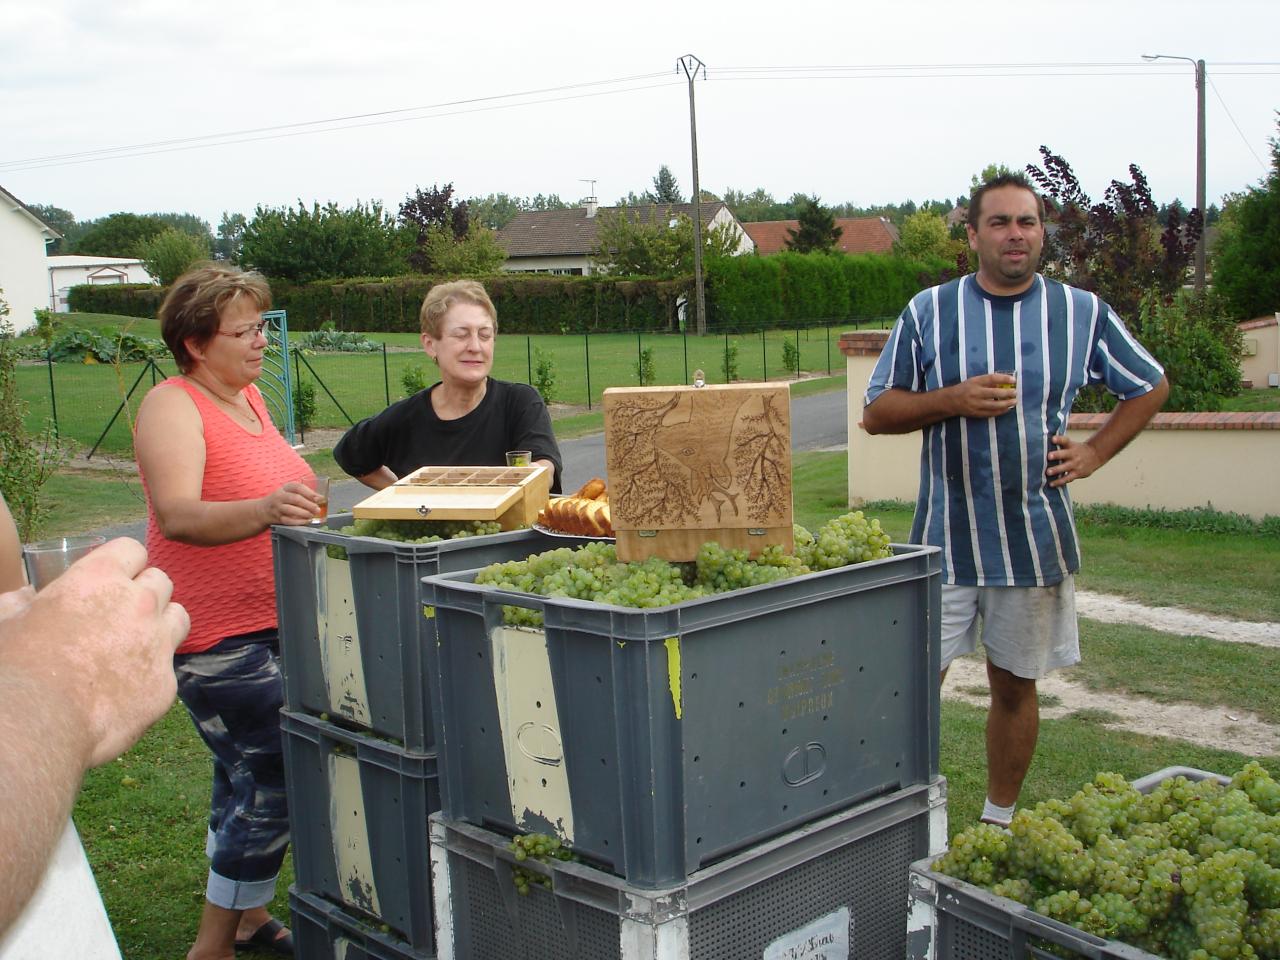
859, 234
561, 241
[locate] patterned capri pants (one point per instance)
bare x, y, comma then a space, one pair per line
234, 692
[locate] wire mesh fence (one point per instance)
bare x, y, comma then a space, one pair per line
94, 404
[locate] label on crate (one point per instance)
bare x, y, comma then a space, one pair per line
827, 938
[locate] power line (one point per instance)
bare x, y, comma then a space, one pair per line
1227, 110
109, 153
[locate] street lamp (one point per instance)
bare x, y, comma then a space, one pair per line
1200, 199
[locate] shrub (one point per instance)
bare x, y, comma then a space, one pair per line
645, 365
329, 340
1197, 344
544, 375
413, 379
304, 404
26, 460
169, 254
86, 346
790, 356
729, 362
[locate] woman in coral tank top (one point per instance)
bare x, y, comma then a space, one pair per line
218, 475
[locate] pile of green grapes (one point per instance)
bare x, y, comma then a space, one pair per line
536, 846
1189, 871
414, 531
593, 571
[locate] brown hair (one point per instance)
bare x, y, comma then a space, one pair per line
192, 308
1004, 180
443, 296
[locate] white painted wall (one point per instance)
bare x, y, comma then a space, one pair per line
23, 276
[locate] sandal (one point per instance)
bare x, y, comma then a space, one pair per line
272, 935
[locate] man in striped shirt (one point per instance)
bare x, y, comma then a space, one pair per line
988, 366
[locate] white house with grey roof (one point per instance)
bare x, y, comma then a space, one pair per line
561, 241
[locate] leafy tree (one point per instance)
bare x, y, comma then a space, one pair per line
230, 236
665, 189
494, 211
1246, 266
1115, 247
989, 172
424, 209
755, 206
117, 235
324, 242
476, 254
923, 235
551, 201
63, 221
168, 255
650, 242
816, 230
188, 223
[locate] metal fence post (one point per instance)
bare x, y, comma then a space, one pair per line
297, 378
764, 357
528, 352
53, 399
799, 366
684, 334
639, 360
586, 346
386, 374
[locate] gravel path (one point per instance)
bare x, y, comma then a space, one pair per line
1225, 729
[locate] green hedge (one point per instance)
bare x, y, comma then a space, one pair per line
526, 304
750, 293
121, 299
743, 293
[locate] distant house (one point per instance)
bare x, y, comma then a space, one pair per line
561, 241
957, 215
66, 272
23, 277
858, 234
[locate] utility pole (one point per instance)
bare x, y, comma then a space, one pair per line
691, 65
1200, 155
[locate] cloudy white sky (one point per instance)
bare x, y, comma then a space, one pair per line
917, 95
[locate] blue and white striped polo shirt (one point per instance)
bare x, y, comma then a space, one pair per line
984, 496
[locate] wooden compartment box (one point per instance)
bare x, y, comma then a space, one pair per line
511, 495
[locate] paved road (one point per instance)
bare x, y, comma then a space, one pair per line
818, 422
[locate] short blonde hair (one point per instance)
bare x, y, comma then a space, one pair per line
192, 310
442, 297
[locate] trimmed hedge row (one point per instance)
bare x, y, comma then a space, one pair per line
750, 293
743, 293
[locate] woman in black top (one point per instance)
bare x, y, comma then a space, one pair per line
467, 417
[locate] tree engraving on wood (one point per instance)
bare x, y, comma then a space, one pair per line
694, 459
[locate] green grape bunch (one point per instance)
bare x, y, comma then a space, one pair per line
540, 847
1188, 871
594, 573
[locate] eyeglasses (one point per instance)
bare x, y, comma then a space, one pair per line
248, 333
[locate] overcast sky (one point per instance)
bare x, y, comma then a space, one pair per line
875, 126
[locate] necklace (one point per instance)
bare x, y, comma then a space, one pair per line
229, 402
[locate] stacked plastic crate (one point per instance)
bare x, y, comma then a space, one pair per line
745, 775
360, 745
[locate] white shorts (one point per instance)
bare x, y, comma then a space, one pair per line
1025, 630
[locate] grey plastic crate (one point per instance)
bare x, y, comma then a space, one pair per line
954, 920
842, 880
358, 811
351, 631
658, 741
322, 930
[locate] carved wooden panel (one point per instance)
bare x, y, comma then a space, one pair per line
713, 461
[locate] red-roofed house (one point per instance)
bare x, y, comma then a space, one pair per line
561, 241
860, 234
